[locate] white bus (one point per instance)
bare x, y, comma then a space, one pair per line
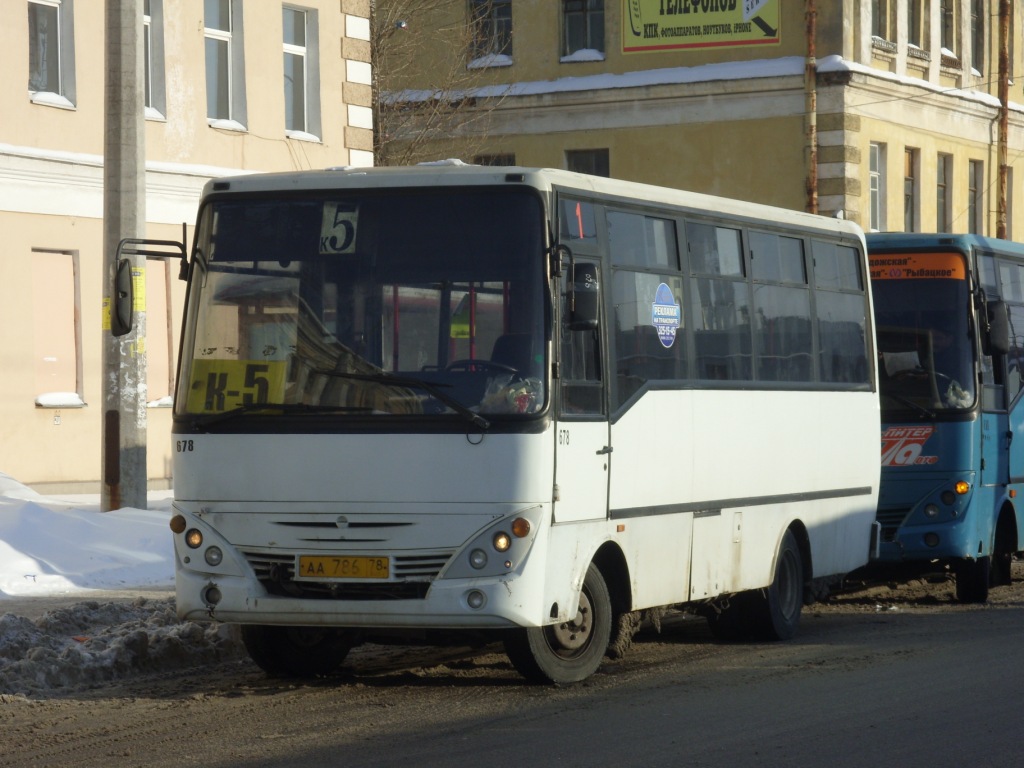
522, 402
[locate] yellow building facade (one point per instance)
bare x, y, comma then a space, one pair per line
230, 87
886, 112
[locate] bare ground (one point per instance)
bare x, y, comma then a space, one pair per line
395, 705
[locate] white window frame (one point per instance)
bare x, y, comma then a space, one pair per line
311, 120
236, 118
65, 94
153, 59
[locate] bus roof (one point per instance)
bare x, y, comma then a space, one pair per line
927, 240
545, 179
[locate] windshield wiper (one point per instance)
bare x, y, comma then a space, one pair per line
413, 383
289, 409
911, 404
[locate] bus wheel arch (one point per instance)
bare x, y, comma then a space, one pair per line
776, 612
568, 651
625, 621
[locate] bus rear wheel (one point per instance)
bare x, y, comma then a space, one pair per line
776, 612
569, 651
296, 651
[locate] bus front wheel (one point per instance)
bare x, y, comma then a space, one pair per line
296, 651
972, 580
569, 651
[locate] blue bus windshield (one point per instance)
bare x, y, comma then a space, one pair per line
925, 345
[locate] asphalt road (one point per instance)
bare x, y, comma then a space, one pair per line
902, 677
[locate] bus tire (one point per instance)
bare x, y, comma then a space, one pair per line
1002, 553
569, 651
972, 580
295, 651
776, 613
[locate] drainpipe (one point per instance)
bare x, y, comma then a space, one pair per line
1004, 112
811, 106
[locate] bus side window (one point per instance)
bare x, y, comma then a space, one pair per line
580, 370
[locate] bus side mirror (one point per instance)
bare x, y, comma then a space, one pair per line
998, 328
121, 311
584, 297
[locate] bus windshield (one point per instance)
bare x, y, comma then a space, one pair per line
925, 343
368, 304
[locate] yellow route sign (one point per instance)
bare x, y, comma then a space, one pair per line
650, 26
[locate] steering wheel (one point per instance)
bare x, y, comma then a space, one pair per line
472, 363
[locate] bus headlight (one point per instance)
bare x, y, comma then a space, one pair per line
502, 541
194, 538
478, 559
931, 510
213, 556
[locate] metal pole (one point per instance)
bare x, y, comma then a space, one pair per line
123, 455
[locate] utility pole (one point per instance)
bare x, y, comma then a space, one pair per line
811, 104
123, 455
1004, 114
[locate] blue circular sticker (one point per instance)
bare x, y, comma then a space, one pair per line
666, 315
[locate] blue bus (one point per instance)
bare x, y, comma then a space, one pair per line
948, 309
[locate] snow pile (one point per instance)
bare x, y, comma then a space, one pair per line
52, 546
92, 643
61, 546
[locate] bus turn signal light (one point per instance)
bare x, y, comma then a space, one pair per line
962, 487
177, 523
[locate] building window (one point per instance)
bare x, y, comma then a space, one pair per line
883, 24
910, 196
948, 26
507, 158
943, 199
225, 62
975, 197
51, 52
301, 72
57, 332
592, 161
978, 35
583, 28
876, 184
492, 25
153, 57
917, 23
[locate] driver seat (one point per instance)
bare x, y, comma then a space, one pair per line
516, 350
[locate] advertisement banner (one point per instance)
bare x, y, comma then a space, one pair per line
672, 25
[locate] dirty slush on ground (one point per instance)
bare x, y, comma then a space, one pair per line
91, 643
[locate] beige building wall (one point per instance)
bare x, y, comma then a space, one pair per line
728, 113
51, 198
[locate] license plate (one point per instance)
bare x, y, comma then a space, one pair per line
319, 567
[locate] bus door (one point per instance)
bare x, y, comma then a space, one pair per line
582, 443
